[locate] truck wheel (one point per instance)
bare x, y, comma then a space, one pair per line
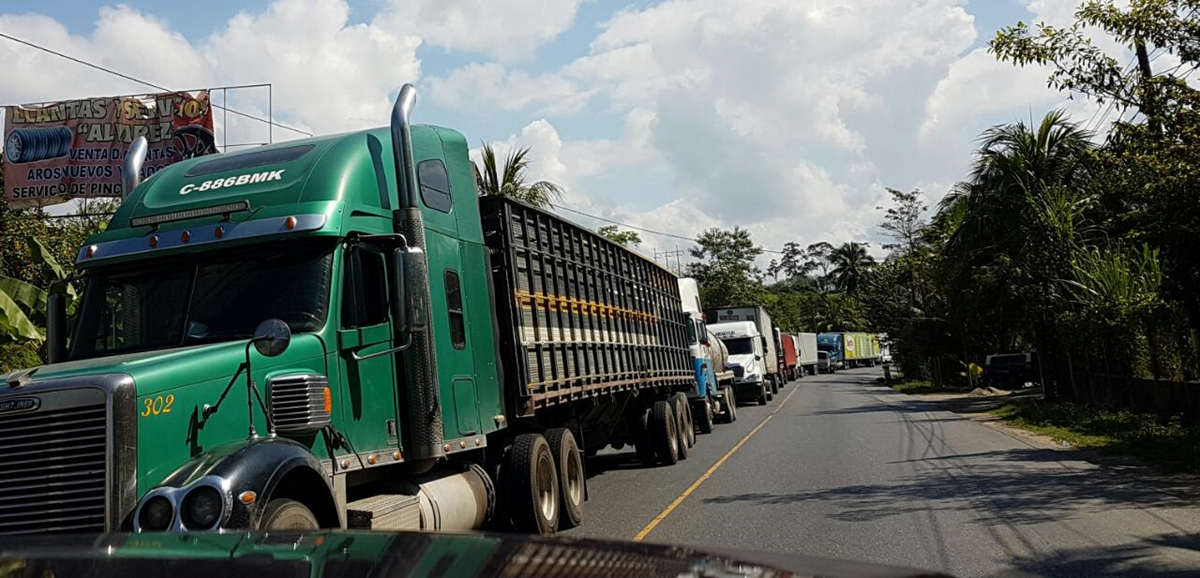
285, 514
706, 417
681, 429
570, 475
763, 392
532, 485
683, 409
775, 385
663, 434
645, 442
730, 404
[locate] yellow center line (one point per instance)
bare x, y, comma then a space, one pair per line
696, 484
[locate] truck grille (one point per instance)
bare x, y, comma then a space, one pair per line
298, 403
52, 470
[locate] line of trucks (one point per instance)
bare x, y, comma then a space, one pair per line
360, 342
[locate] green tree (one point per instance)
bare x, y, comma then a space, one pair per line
622, 238
816, 257
1150, 169
725, 269
904, 221
511, 181
850, 263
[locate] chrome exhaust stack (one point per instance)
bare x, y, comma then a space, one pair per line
425, 416
131, 171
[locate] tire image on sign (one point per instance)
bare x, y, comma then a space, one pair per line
29, 145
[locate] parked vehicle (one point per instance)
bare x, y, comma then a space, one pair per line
1011, 370
762, 322
396, 353
747, 357
826, 362
808, 352
850, 349
790, 358
709, 400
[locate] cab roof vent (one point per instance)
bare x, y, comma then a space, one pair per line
248, 160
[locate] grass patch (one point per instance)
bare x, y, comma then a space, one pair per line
1143, 435
919, 386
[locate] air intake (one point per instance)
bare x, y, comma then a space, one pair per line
299, 403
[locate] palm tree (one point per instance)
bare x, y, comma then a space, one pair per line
510, 182
1014, 166
850, 263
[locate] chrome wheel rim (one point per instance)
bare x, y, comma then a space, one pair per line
547, 500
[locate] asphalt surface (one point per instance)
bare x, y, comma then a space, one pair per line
846, 469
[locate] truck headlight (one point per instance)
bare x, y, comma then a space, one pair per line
157, 514
202, 508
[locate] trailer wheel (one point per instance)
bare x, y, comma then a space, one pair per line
570, 475
681, 425
532, 485
663, 434
705, 422
684, 408
644, 441
285, 514
730, 405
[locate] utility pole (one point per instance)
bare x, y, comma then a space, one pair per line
1149, 99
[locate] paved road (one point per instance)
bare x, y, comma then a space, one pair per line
846, 469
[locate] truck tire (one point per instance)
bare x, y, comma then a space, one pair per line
680, 428
684, 408
763, 392
662, 433
730, 404
644, 444
705, 415
570, 475
775, 384
285, 514
532, 485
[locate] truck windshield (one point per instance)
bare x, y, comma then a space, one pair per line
740, 346
217, 297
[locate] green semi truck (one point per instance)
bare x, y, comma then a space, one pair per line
337, 332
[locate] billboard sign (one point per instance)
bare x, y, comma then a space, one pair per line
75, 149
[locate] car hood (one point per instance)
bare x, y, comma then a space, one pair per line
384, 555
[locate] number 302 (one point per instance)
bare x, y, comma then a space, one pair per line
158, 405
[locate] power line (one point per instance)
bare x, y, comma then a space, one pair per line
144, 82
637, 228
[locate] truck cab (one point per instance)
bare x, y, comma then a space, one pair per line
747, 356
709, 400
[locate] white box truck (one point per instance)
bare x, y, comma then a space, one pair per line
765, 331
808, 352
747, 357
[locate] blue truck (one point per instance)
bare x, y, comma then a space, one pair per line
712, 400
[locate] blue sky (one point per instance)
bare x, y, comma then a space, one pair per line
788, 117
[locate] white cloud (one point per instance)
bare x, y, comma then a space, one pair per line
773, 103
328, 74
493, 86
506, 31
123, 39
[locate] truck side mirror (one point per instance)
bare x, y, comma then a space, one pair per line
56, 327
271, 338
408, 307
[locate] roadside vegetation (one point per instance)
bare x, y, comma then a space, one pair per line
920, 386
1170, 443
